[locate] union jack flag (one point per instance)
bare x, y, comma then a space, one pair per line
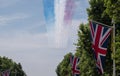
74, 63
100, 36
6, 73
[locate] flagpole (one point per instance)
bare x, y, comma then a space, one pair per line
114, 69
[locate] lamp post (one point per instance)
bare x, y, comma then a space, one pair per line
114, 69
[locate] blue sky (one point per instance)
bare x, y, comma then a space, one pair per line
25, 35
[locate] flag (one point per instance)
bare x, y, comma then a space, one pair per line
6, 73
74, 61
99, 38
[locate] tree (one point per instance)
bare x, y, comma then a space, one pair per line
64, 69
87, 64
99, 10
113, 9
9, 64
96, 12
117, 53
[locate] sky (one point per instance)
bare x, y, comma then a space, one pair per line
35, 36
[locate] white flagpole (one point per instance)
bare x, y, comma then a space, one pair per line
114, 69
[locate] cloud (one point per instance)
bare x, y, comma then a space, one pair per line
6, 3
6, 19
23, 41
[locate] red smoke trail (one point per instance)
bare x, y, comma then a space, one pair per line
68, 11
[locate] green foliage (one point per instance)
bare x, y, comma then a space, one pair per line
101, 16
64, 69
96, 12
8, 64
102, 11
117, 51
87, 65
113, 9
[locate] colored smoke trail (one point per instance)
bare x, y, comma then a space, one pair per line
49, 14
58, 14
68, 11
49, 10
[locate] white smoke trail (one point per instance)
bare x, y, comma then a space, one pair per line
61, 32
